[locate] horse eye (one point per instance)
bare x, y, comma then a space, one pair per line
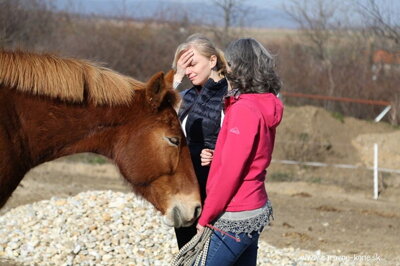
173, 140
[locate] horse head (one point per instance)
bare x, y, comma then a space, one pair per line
43, 97
156, 159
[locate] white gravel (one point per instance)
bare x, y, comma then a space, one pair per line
113, 228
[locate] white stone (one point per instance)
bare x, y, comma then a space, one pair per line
77, 249
107, 257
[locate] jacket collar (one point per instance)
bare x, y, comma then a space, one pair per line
212, 85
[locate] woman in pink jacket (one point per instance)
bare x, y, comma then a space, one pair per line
237, 202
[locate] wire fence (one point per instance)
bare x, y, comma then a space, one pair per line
336, 163
343, 166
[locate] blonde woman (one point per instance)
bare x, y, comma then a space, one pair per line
201, 109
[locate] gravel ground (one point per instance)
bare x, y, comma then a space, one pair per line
114, 228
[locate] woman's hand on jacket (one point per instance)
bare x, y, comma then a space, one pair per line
206, 157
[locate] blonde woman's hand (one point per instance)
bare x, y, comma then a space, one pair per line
183, 62
206, 156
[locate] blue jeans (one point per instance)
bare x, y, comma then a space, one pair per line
224, 250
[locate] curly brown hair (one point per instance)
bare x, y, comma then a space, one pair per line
252, 67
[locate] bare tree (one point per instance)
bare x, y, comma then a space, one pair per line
234, 13
317, 21
382, 19
26, 24
382, 22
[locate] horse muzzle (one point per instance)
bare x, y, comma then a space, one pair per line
182, 214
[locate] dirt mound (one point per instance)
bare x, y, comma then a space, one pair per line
388, 149
310, 133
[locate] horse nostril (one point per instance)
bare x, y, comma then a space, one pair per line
177, 217
197, 211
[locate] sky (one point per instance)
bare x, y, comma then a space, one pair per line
265, 13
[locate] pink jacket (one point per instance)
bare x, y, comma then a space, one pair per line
242, 154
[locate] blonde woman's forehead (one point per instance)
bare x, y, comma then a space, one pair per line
187, 47
197, 53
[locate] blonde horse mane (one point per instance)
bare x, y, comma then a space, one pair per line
66, 79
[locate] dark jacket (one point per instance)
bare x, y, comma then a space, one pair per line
202, 106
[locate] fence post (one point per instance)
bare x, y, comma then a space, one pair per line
375, 171
383, 113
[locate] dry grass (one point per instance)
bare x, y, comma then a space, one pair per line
265, 35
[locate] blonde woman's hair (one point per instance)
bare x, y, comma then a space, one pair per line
206, 48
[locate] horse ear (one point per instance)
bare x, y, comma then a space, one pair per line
169, 78
156, 89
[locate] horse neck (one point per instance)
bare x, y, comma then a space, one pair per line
52, 129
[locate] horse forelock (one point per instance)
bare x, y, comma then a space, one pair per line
67, 79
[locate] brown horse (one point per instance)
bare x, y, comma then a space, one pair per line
52, 107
